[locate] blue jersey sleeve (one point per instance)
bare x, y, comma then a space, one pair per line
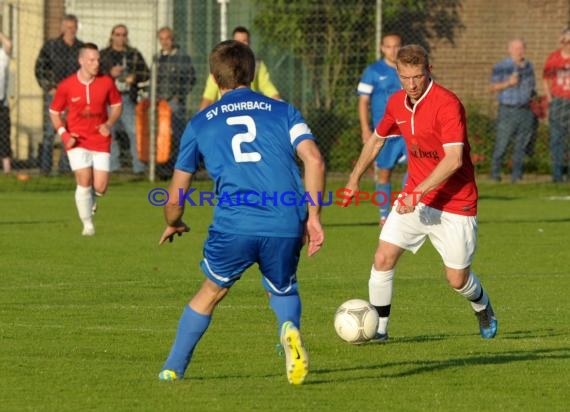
188, 156
366, 84
299, 130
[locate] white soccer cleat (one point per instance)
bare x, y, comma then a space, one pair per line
296, 357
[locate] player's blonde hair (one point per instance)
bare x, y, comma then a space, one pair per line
413, 55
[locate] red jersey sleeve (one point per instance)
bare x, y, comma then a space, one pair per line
59, 102
388, 126
114, 95
452, 122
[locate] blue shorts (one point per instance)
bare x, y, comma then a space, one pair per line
227, 256
393, 153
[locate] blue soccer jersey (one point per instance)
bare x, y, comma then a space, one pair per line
248, 143
379, 81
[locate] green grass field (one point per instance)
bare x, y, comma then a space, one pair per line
86, 323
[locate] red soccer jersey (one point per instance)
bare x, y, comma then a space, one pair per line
436, 120
87, 108
557, 70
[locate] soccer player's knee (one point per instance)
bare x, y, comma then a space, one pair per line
457, 278
100, 191
383, 261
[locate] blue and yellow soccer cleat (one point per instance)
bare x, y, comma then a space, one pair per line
487, 322
168, 375
296, 357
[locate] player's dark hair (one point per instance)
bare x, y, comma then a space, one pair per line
241, 29
232, 64
391, 34
413, 55
87, 46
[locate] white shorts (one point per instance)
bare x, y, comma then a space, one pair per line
453, 236
80, 158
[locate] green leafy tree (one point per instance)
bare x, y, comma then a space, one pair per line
333, 37
334, 40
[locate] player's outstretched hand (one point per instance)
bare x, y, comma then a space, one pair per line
348, 192
171, 231
314, 236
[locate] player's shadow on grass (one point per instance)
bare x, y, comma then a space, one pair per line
417, 367
420, 367
532, 334
519, 221
374, 223
31, 222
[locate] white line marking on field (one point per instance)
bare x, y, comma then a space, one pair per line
558, 198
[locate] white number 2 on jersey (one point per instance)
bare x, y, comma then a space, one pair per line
247, 137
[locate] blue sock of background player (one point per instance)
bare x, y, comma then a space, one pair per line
191, 327
404, 179
384, 200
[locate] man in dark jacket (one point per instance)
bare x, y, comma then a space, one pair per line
56, 61
175, 78
126, 65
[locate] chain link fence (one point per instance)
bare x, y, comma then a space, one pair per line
315, 52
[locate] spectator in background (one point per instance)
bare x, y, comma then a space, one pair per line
513, 81
379, 81
94, 105
126, 65
261, 80
556, 79
56, 61
5, 148
174, 81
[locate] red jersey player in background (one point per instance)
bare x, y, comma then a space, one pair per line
556, 81
87, 138
440, 196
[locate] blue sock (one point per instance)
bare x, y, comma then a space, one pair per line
384, 200
191, 327
286, 308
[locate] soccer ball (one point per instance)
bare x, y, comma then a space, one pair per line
356, 321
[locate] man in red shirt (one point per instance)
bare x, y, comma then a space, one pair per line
87, 138
556, 79
439, 200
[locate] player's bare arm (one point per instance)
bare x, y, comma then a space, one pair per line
546, 84
452, 161
315, 186
174, 208
364, 117
369, 152
69, 139
114, 114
